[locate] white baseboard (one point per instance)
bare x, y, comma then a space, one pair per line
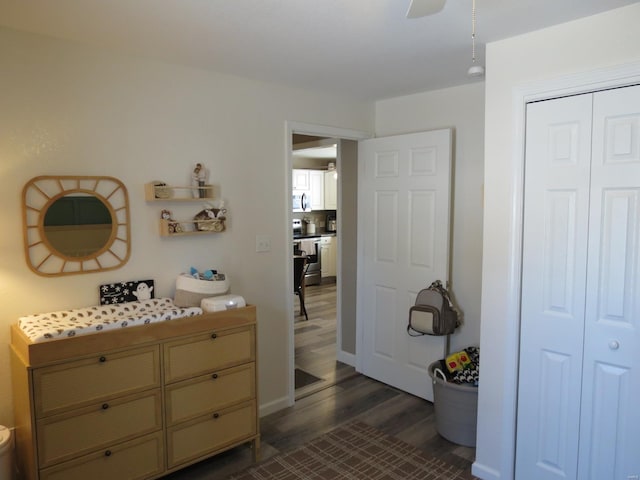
346, 357
274, 406
484, 472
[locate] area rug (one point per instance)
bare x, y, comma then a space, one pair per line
302, 378
354, 451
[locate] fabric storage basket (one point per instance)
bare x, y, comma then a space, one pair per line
191, 291
456, 409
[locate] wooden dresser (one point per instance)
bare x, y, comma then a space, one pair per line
138, 402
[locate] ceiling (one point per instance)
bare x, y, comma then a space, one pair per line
328, 152
363, 49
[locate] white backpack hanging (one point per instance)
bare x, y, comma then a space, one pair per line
433, 312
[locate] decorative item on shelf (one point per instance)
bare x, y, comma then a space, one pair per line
199, 179
172, 225
211, 219
161, 190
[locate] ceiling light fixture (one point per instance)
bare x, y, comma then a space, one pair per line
474, 70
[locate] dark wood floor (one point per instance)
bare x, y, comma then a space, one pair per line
315, 340
342, 396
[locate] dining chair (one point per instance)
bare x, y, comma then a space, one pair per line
300, 265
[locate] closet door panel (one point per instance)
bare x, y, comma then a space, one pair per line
610, 415
555, 231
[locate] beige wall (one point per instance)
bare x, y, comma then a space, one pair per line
463, 109
604, 40
67, 109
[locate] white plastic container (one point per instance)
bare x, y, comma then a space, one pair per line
6, 454
223, 302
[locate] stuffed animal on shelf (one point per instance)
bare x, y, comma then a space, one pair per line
173, 226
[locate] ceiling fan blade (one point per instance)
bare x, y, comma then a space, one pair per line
422, 8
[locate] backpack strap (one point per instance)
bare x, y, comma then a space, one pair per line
437, 286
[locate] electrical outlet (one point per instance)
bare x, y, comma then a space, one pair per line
263, 243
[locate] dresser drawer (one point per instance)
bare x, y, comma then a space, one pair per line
208, 393
204, 435
206, 353
86, 381
61, 437
137, 459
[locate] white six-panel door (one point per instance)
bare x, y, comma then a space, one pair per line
403, 233
579, 382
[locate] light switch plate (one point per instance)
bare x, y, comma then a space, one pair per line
263, 243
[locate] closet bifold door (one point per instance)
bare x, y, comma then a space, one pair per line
579, 373
556, 203
610, 418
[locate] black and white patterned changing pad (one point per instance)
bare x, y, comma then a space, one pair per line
81, 321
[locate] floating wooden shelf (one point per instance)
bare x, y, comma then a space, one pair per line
173, 193
176, 228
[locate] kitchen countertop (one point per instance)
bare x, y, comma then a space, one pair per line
317, 234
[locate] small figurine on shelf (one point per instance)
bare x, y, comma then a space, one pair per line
199, 179
172, 225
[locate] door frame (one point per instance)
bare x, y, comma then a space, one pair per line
585, 82
303, 128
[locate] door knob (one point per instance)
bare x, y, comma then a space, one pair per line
614, 344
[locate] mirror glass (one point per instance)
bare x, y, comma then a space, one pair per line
75, 224
78, 225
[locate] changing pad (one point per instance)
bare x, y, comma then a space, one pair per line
82, 321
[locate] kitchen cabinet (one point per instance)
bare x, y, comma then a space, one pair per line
331, 190
328, 250
316, 182
312, 182
300, 180
135, 403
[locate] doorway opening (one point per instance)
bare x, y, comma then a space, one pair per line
339, 345
315, 179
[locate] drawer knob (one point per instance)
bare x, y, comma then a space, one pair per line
102, 359
105, 406
216, 415
214, 376
214, 336
107, 453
